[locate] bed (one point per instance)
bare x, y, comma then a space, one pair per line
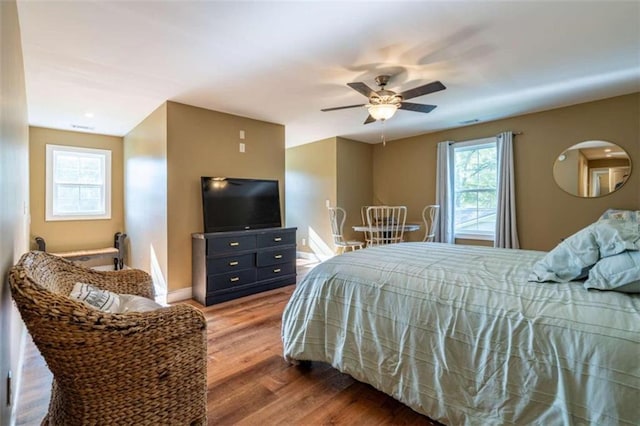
459, 334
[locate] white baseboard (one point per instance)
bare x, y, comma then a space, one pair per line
312, 256
179, 295
17, 376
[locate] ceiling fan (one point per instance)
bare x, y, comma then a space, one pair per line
383, 103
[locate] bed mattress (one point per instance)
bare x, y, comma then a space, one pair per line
459, 334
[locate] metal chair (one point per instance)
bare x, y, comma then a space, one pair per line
430, 218
337, 217
386, 224
367, 234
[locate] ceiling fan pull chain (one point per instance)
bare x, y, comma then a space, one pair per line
384, 141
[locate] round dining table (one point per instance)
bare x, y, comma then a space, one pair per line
408, 227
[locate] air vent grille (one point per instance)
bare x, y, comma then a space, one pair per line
81, 127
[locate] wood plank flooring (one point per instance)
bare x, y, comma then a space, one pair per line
248, 380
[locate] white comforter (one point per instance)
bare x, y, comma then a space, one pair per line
459, 334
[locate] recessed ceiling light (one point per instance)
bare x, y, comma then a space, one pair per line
88, 114
607, 150
609, 155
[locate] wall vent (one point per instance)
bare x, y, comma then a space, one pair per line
81, 127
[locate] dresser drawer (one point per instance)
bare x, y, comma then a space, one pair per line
273, 257
230, 279
275, 239
230, 244
275, 271
231, 263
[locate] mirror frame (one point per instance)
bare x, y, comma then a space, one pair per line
572, 174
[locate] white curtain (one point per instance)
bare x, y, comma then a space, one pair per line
506, 232
444, 195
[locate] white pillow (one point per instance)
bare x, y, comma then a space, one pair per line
615, 236
573, 257
629, 215
111, 302
133, 303
617, 273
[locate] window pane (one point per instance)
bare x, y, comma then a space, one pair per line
66, 199
475, 183
91, 199
66, 168
77, 199
91, 170
78, 168
78, 183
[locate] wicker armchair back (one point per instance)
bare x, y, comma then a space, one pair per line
145, 368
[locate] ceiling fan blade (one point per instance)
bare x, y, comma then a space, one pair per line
342, 107
417, 107
369, 119
435, 86
362, 88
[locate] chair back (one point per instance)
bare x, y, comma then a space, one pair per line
337, 216
89, 351
363, 215
386, 224
430, 218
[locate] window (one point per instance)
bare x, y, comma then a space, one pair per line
475, 168
78, 183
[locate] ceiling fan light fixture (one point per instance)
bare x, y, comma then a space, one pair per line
382, 111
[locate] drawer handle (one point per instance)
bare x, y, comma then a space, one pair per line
276, 239
234, 263
277, 256
234, 243
275, 271
234, 279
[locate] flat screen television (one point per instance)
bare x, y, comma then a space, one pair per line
232, 204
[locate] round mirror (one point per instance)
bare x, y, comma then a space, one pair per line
592, 169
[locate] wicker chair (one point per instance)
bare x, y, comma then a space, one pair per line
136, 368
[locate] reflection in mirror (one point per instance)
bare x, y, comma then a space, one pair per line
592, 169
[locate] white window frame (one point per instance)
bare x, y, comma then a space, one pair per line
104, 155
472, 235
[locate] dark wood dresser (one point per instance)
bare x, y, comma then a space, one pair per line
228, 265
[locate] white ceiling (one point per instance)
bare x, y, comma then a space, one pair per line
284, 61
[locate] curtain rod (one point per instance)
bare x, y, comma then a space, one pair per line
474, 139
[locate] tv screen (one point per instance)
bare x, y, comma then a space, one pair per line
231, 204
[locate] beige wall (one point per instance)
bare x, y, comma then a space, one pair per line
568, 170
404, 170
401, 172
165, 156
14, 193
202, 142
145, 177
583, 173
311, 180
334, 169
66, 235
608, 162
354, 182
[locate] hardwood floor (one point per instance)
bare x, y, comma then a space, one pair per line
249, 382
